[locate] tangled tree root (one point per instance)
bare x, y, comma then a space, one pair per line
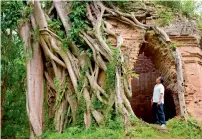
67, 69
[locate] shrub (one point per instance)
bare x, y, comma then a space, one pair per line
187, 8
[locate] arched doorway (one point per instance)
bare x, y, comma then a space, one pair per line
152, 62
162, 62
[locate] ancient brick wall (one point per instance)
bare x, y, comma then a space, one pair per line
155, 58
132, 39
192, 59
143, 86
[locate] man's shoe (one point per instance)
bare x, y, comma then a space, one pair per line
163, 126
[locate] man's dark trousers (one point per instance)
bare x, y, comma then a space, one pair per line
158, 113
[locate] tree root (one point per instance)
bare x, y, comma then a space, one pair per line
73, 69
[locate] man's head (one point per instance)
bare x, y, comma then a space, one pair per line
159, 80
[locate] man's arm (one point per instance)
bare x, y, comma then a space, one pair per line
160, 99
161, 95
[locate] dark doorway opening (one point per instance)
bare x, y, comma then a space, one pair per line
142, 89
169, 105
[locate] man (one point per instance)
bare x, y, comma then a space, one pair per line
158, 102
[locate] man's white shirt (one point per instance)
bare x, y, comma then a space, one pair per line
158, 89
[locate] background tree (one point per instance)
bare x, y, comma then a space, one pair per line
14, 121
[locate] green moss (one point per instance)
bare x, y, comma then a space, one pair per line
110, 75
111, 71
81, 79
96, 104
200, 26
60, 90
35, 34
80, 113
174, 45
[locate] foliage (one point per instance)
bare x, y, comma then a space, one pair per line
174, 5
15, 123
113, 130
199, 20
126, 5
46, 5
79, 113
114, 121
10, 13
81, 79
174, 45
200, 27
25, 13
56, 82
133, 74
77, 133
96, 104
82, 103
60, 90
78, 18
35, 34
111, 75
177, 128
187, 8
165, 17
56, 25
139, 130
111, 71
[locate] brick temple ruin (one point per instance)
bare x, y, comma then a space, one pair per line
150, 57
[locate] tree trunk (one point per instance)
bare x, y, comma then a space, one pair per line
34, 73
180, 82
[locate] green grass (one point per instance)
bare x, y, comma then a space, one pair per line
114, 130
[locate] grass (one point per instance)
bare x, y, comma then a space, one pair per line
165, 17
114, 130
176, 129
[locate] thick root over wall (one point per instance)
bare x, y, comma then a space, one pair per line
73, 80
